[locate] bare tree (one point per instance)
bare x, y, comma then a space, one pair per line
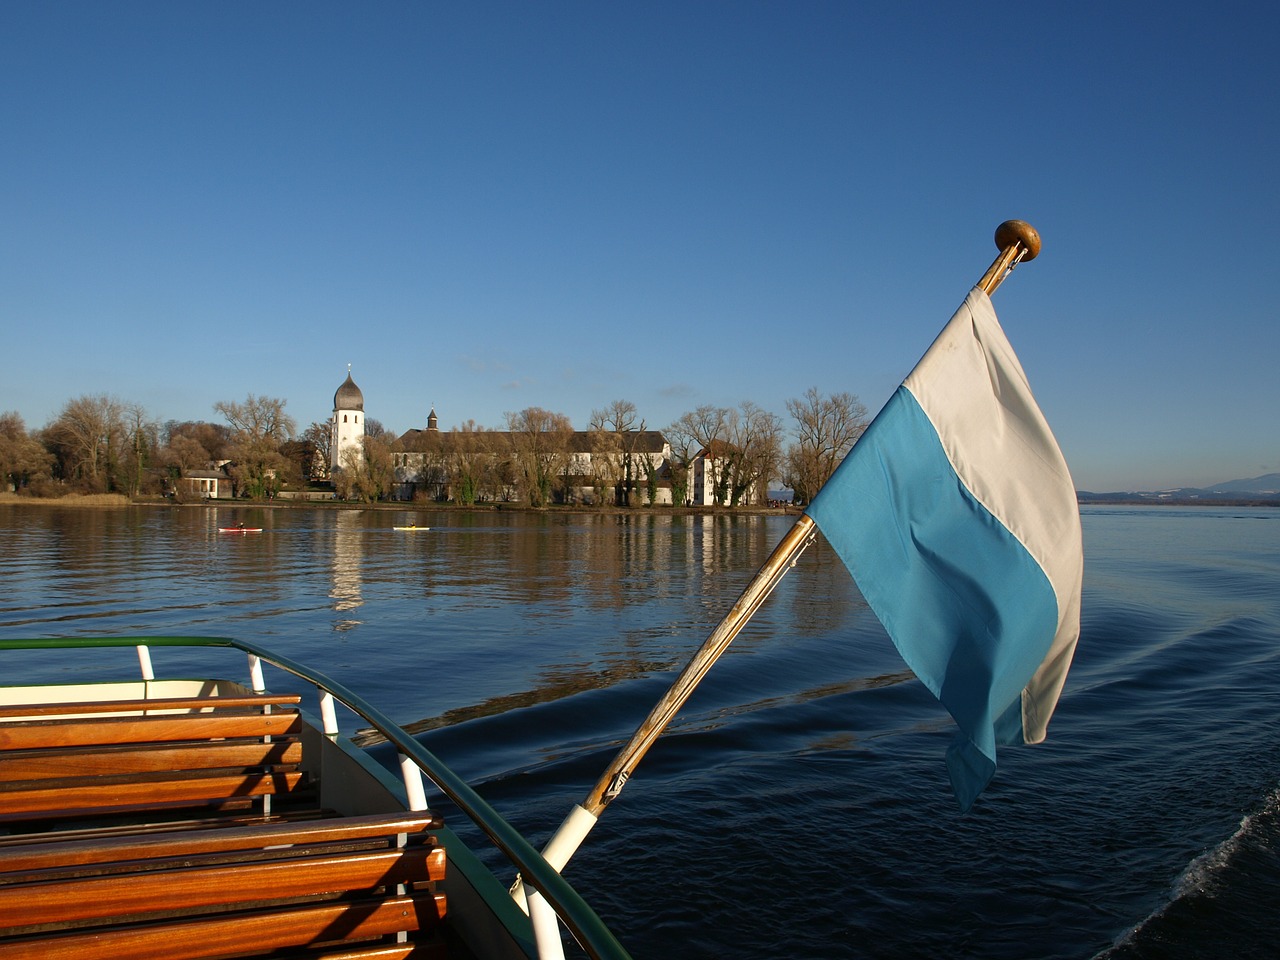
826, 430
185, 453
606, 461
471, 463
259, 427
745, 444
140, 451
621, 420
753, 452
539, 445
697, 430
190, 445
369, 470
258, 418
212, 438
23, 459
320, 437
85, 438
301, 457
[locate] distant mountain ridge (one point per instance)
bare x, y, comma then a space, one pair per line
1268, 483
1265, 488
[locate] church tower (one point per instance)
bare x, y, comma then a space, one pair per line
346, 429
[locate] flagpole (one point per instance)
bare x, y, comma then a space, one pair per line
1017, 241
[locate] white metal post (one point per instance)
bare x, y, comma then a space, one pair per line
413, 789
144, 660
255, 674
328, 714
546, 928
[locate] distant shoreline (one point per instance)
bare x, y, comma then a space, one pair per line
117, 500
1136, 501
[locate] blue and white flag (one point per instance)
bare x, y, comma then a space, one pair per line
957, 517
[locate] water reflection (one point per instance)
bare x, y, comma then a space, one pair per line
488, 613
347, 563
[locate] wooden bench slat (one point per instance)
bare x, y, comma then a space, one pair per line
308, 852
35, 734
420, 949
28, 831
46, 709
237, 935
143, 816
130, 759
44, 796
120, 898
213, 840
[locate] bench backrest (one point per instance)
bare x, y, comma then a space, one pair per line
68, 761
290, 885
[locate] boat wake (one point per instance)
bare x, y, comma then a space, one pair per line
1224, 902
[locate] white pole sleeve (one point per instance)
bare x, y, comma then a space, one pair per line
546, 928
563, 844
569, 837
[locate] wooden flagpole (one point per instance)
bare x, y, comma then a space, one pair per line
1017, 241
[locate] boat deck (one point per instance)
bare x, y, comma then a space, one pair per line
186, 827
187, 816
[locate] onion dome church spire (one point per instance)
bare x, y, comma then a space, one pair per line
347, 426
348, 396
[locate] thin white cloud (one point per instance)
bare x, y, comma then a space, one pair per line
483, 364
677, 391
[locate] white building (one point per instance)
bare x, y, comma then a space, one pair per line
205, 484
625, 468
716, 470
346, 429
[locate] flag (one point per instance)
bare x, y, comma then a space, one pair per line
956, 515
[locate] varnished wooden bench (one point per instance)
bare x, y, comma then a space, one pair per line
103, 759
355, 887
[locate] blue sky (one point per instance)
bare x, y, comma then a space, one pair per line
485, 207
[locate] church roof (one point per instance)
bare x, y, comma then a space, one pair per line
578, 441
348, 396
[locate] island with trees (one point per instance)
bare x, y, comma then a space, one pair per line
709, 456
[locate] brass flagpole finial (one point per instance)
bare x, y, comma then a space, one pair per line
1018, 241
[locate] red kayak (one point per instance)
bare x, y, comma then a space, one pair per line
239, 529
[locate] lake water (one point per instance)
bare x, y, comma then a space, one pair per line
799, 806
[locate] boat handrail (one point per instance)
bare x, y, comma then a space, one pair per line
574, 912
